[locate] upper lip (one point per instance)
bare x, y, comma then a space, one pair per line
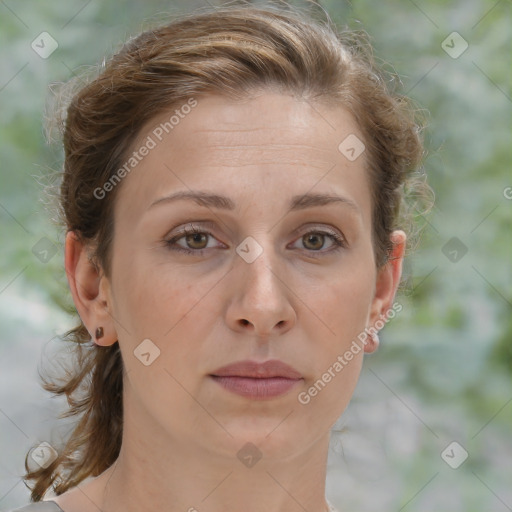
265, 370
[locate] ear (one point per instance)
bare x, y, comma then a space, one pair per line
388, 279
90, 290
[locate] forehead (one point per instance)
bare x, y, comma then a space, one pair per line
268, 142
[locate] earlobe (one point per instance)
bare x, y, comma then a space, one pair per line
388, 279
88, 290
372, 341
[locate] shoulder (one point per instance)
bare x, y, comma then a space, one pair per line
40, 506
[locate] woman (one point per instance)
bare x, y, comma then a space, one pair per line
232, 195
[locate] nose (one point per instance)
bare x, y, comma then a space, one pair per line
260, 297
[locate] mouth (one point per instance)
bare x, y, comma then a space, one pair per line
257, 388
257, 380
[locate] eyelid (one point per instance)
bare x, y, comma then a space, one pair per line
337, 238
200, 224
326, 228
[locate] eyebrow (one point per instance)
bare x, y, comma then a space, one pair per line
210, 200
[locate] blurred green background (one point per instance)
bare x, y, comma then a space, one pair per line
443, 372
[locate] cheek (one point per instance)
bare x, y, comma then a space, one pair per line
150, 299
344, 302
343, 309
167, 306
167, 309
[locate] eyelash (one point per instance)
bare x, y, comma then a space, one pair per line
338, 241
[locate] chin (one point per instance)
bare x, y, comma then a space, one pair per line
275, 437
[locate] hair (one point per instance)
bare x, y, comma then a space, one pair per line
232, 51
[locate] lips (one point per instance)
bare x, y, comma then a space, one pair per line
257, 381
252, 369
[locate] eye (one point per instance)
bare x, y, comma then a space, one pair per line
314, 241
195, 239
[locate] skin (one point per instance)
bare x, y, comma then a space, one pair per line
182, 431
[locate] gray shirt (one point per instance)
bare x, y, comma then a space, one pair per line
39, 506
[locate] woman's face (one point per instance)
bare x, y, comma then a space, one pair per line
263, 279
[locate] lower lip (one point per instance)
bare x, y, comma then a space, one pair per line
257, 388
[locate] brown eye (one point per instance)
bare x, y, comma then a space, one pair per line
197, 238
313, 241
195, 241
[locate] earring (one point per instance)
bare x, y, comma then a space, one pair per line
375, 337
99, 333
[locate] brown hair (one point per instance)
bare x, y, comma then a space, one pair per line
232, 51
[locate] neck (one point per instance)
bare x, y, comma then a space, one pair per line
177, 481
158, 472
